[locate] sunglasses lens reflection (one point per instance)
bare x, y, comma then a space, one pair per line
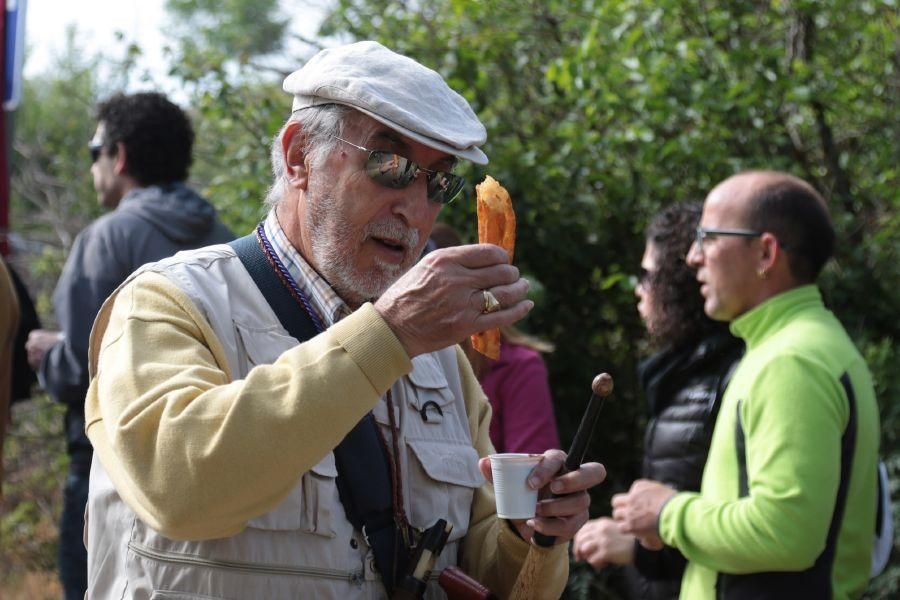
444, 187
390, 170
397, 172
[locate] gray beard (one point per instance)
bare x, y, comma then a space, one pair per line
334, 245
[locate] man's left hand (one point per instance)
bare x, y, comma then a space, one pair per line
562, 516
637, 512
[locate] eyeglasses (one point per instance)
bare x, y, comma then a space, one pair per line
703, 233
397, 172
94, 148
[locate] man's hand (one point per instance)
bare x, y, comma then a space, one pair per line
439, 302
39, 343
600, 543
563, 516
637, 512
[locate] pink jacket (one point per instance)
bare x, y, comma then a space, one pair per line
519, 392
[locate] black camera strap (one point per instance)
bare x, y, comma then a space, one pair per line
364, 480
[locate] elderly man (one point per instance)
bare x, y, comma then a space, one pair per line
230, 459
787, 503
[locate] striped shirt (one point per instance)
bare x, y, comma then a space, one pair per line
324, 300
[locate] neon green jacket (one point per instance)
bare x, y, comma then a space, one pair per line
793, 411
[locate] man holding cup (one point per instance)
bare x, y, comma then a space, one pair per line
221, 436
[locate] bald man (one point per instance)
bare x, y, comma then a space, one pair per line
787, 503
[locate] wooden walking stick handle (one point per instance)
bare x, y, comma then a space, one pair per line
601, 388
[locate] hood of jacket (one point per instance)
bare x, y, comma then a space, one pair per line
176, 210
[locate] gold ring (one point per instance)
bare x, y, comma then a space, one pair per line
491, 304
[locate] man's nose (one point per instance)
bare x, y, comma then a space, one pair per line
413, 204
695, 255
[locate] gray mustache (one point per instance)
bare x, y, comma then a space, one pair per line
393, 230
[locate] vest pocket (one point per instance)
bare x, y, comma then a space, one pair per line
433, 397
308, 506
443, 478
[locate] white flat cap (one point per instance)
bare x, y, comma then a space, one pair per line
392, 89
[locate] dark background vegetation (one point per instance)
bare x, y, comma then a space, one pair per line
599, 112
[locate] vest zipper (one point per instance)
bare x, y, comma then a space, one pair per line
351, 576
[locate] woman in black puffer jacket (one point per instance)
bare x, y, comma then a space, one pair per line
683, 383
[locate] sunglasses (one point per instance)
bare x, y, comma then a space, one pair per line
94, 148
397, 172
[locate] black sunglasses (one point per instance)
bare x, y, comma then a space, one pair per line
397, 172
94, 148
704, 233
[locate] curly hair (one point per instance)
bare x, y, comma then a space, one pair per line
156, 133
676, 293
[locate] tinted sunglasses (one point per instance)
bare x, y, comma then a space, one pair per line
397, 172
94, 148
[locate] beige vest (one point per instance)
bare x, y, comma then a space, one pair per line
304, 547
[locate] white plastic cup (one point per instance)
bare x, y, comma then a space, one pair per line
515, 500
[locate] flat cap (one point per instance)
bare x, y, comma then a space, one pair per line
395, 90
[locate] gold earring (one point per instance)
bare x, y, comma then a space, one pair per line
762, 274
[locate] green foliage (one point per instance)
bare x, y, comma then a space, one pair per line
234, 126
234, 28
36, 466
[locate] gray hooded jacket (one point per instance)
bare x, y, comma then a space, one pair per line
149, 224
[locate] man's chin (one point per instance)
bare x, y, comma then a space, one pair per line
359, 290
717, 313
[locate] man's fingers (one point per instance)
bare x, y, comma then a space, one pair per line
504, 316
584, 478
484, 465
551, 464
562, 528
473, 256
583, 547
597, 559
651, 542
563, 506
508, 295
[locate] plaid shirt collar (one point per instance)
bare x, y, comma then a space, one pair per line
325, 301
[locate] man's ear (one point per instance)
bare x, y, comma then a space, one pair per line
121, 165
295, 167
770, 252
